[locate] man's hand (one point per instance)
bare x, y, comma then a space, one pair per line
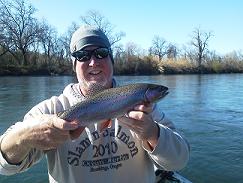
42, 132
50, 132
140, 121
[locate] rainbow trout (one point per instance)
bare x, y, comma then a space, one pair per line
113, 102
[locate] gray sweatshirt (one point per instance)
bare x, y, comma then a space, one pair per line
113, 155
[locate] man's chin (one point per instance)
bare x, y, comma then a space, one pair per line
98, 80
94, 82
95, 87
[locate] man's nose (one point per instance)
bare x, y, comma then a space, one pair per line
93, 61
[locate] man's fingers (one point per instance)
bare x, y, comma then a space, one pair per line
146, 108
64, 125
76, 133
135, 115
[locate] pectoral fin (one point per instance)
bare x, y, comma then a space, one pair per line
105, 124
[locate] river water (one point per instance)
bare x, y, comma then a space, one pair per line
207, 109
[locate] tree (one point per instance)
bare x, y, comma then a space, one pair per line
132, 49
200, 41
159, 47
94, 18
119, 53
19, 28
66, 39
172, 51
47, 39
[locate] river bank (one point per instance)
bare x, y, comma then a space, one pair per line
11, 70
130, 68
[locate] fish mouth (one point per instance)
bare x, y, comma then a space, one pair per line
155, 93
163, 90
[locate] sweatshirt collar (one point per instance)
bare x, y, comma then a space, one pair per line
73, 93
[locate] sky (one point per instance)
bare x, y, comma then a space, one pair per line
141, 20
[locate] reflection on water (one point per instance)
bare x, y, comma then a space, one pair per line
208, 109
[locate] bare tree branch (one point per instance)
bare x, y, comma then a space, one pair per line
94, 18
159, 47
172, 51
19, 28
200, 41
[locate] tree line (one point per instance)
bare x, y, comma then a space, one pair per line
32, 46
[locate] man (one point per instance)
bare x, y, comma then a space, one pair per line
124, 150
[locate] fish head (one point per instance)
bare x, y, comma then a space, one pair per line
155, 92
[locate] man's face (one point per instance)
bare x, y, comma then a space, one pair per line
94, 72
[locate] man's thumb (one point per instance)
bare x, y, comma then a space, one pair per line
76, 133
65, 125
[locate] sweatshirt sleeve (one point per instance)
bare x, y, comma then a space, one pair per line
32, 157
172, 150
50, 106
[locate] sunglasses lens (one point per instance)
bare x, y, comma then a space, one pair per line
85, 55
82, 55
101, 53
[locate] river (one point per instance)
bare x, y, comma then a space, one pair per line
207, 109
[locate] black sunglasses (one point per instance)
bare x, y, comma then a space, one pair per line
85, 55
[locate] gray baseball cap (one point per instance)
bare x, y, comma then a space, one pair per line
88, 36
